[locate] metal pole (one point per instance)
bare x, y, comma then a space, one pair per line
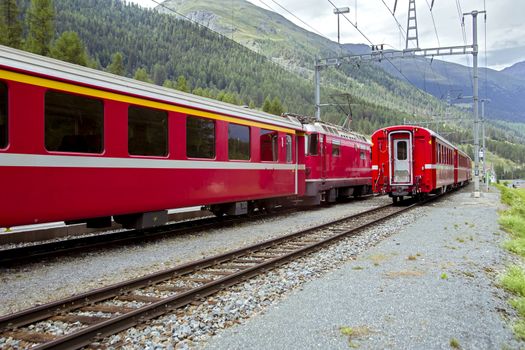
338, 33
317, 90
475, 102
484, 147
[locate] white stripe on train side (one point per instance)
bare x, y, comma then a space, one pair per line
55, 161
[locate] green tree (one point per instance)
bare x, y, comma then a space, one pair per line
159, 74
168, 84
40, 21
10, 24
182, 84
276, 106
142, 75
116, 66
267, 105
68, 47
251, 105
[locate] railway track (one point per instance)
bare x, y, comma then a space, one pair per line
30, 253
91, 316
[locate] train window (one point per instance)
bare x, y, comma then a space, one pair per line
147, 132
401, 150
289, 153
336, 149
313, 142
362, 155
3, 115
73, 123
238, 142
200, 137
268, 145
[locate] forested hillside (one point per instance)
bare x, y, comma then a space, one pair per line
148, 45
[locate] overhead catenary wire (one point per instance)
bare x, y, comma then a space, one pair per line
371, 43
399, 26
300, 20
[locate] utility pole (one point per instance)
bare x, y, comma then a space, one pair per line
340, 11
412, 24
379, 55
475, 101
484, 147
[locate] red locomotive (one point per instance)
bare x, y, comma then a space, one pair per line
411, 160
338, 163
80, 145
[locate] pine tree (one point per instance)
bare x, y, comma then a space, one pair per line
168, 84
159, 74
68, 47
40, 21
116, 66
276, 106
10, 24
142, 75
182, 84
267, 105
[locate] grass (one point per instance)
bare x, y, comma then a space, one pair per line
513, 221
354, 332
404, 273
444, 276
454, 343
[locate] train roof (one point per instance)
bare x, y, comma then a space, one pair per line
412, 127
49, 67
311, 124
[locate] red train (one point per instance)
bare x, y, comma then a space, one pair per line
411, 160
80, 145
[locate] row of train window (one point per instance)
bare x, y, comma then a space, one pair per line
445, 155
312, 146
76, 124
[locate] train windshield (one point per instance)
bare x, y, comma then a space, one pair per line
3, 115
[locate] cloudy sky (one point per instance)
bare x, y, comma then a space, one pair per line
504, 27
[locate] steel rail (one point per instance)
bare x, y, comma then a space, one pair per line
30, 253
115, 324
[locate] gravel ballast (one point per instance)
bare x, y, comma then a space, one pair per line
430, 286
55, 278
423, 280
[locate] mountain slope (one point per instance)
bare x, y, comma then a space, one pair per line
216, 67
517, 70
274, 36
449, 80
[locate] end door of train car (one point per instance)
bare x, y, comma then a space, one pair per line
401, 170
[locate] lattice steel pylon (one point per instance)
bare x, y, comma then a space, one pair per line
412, 25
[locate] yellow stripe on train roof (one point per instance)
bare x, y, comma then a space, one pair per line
92, 92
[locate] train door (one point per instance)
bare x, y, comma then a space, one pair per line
324, 156
400, 158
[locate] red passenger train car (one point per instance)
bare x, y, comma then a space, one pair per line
410, 160
80, 145
337, 163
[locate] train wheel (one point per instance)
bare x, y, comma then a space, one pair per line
395, 199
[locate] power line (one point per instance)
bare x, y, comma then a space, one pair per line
306, 24
433, 21
371, 43
401, 29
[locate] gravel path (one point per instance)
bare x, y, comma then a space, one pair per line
430, 286
49, 280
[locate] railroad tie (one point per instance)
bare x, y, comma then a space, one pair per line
31, 337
